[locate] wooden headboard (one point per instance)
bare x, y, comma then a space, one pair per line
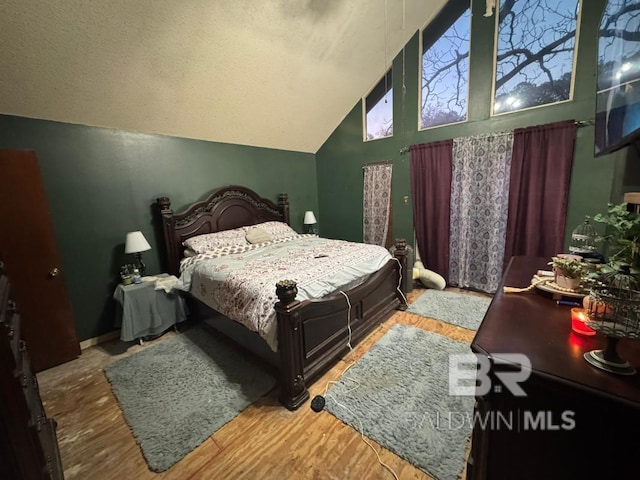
226, 208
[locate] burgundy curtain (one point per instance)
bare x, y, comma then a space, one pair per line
431, 193
539, 189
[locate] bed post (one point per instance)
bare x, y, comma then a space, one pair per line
283, 205
293, 391
404, 275
166, 214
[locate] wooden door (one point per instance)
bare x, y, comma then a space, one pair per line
32, 261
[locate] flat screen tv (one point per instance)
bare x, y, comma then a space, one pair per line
617, 120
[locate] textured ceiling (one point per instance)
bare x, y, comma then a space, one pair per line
269, 73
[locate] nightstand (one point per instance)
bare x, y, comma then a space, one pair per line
143, 311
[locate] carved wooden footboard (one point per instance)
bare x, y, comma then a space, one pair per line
312, 334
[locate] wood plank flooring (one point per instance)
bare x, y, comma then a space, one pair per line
96, 442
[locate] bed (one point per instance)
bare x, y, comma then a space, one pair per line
313, 333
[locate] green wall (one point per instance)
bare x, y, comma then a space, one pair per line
102, 183
595, 181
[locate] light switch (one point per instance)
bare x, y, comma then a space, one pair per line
406, 199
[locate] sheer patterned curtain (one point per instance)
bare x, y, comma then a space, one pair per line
539, 191
479, 207
377, 203
431, 194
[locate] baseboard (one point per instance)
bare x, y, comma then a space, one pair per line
90, 342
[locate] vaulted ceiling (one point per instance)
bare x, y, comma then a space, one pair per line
269, 73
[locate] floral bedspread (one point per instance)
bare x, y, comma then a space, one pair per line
240, 282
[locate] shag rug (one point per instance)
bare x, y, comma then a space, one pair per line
176, 394
456, 308
398, 395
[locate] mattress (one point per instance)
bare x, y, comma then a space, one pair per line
241, 285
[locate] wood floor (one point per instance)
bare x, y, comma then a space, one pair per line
96, 442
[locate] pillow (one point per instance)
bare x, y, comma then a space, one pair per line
428, 278
189, 253
210, 241
277, 230
258, 235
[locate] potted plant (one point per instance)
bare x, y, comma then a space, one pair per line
568, 271
126, 274
622, 237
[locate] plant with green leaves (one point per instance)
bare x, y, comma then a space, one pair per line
127, 269
622, 236
568, 267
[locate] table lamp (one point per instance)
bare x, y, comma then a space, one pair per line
136, 243
309, 221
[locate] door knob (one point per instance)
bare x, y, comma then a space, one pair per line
54, 272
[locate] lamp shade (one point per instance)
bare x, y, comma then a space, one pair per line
136, 242
309, 218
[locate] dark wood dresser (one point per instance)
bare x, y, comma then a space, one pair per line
28, 444
576, 421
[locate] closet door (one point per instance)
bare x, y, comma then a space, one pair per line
32, 261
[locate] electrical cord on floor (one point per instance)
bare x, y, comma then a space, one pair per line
318, 402
364, 439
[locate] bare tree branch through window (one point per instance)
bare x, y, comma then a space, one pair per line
445, 68
535, 53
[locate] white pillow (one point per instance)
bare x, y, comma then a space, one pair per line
258, 235
211, 241
277, 230
428, 278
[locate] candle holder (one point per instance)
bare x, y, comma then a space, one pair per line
614, 311
578, 318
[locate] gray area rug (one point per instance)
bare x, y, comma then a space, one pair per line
398, 395
176, 394
456, 308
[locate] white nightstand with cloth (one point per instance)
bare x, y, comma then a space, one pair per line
143, 311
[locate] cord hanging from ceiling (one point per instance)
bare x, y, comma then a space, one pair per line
404, 86
386, 88
403, 13
403, 149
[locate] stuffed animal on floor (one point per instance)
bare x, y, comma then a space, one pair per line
428, 278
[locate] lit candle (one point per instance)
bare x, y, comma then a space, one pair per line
578, 317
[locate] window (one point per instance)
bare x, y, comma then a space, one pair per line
445, 66
378, 107
535, 50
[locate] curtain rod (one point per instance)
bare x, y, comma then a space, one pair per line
376, 163
579, 123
